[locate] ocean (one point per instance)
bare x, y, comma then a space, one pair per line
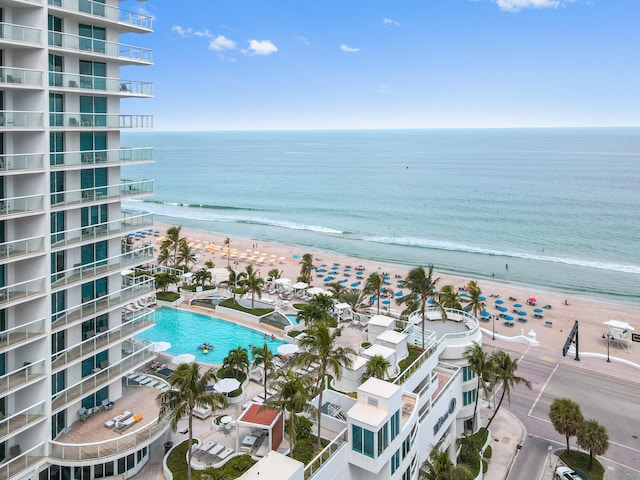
559, 207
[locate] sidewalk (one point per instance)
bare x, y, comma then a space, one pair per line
507, 433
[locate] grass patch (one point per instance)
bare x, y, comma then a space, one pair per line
295, 333
234, 468
167, 296
580, 463
470, 450
232, 304
192, 288
232, 373
414, 353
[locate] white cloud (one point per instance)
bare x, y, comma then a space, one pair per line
183, 32
261, 47
302, 39
203, 34
221, 43
385, 89
517, 5
393, 23
348, 49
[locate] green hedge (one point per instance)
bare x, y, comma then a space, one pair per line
167, 296
234, 468
580, 463
232, 373
232, 304
192, 288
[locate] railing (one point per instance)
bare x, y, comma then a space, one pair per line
101, 84
428, 406
26, 460
92, 344
16, 162
120, 51
21, 76
103, 377
108, 192
96, 306
99, 120
23, 375
19, 33
26, 204
325, 454
135, 187
84, 272
100, 157
107, 12
21, 333
17, 119
100, 230
21, 419
417, 363
21, 290
17, 248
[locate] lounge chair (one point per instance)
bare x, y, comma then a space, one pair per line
225, 453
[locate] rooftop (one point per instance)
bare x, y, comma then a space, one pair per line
379, 388
381, 320
367, 414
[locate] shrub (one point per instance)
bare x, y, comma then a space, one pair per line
414, 353
488, 452
238, 465
232, 304
294, 333
365, 344
485, 466
304, 450
303, 427
580, 463
232, 373
235, 393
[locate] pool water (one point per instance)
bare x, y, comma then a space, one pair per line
293, 318
186, 330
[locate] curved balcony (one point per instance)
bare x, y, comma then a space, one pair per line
100, 49
21, 248
102, 14
20, 77
22, 334
98, 121
17, 422
20, 33
21, 162
19, 120
116, 86
22, 376
26, 460
21, 291
90, 158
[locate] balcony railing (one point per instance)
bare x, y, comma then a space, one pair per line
325, 455
22, 290
131, 327
17, 421
20, 463
95, 121
97, 194
18, 162
21, 76
97, 306
101, 230
18, 248
19, 33
22, 376
108, 12
21, 333
142, 354
26, 204
83, 273
100, 84
101, 48
101, 157
16, 119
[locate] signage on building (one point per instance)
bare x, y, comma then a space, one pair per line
443, 418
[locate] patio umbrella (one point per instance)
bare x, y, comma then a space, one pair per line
399, 293
327, 279
538, 310
485, 314
532, 300
184, 358
161, 346
295, 255
499, 302
386, 302
522, 314
508, 317
355, 284
288, 349
517, 305
344, 280
463, 295
226, 385
503, 309
482, 299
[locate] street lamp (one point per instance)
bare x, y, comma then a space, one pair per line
608, 336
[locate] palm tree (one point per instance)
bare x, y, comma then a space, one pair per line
188, 391
312, 313
323, 301
163, 280
265, 357
449, 297
319, 347
172, 243
354, 298
274, 274
306, 267
337, 290
480, 364
227, 243
439, 467
593, 437
233, 280
252, 283
186, 256
374, 287
377, 367
422, 287
475, 305
504, 371
292, 396
164, 256
238, 360
202, 276
566, 417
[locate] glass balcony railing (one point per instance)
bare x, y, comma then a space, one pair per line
22, 376
94, 232
93, 307
101, 48
107, 12
92, 157
132, 188
141, 354
98, 194
22, 333
26, 460
95, 121
15, 119
18, 248
102, 340
100, 84
84, 273
19, 33
24, 418
22, 290
18, 162
27, 204
20, 76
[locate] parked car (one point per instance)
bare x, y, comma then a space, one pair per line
566, 473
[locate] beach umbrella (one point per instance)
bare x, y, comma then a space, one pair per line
323, 265
226, 385
328, 279
464, 295
335, 267
399, 293
355, 284
522, 314
485, 314
288, 349
482, 299
344, 280
517, 305
430, 301
386, 277
386, 302
499, 302
374, 299
184, 358
508, 317
161, 346
538, 310
503, 309
532, 300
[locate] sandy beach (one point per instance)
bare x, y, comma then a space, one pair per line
566, 309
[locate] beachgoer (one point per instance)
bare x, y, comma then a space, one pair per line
566, 302
506, 266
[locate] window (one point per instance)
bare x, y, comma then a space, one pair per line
57, 226
55, 66
467, 374
56, 109
142, 454
93, 146
395, 462
92, 75
94, 253
56, 180
383, 438
55, 29
57, 265
93, 110
56, 147
82, 473
58, 342
395, 425
368, 443
58, 303
356, 433
58, 382
58, 424
94, 326
93, 215
468, 397
93, 38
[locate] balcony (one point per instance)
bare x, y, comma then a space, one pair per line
15, 120
21, 334
101, 194
20, 248
100, 49
84, 273
21, 205
21, 291
90, 158
101, 230
21, 377
97, 306
21, 163
17, 422
20, 77
102, 14
90, 345
98, 121
20, 463
129, 88
20, 34
141, 354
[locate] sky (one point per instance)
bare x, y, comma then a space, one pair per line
355, 64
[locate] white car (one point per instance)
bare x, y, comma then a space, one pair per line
565, 473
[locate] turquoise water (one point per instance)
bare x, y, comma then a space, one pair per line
186, 330
559, 206
293, 318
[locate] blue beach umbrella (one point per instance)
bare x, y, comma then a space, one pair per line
327, 279
399, 293
538, 310
323, 265
508, 317
335, 267
464, 295
374, 299
295, 255
499, 302
430, 301
355, 284
485, 314
386, 277
386, 302
503, 309
517, 305
344, 280
482, 299
522, 314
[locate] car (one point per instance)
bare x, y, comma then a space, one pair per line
566, 473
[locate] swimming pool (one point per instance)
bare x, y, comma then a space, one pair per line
186, 330
293, 318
